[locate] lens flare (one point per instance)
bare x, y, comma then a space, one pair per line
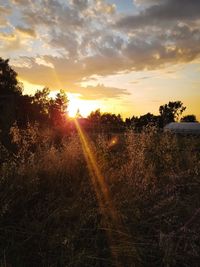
118, 239
113, 142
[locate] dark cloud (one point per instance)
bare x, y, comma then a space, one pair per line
147, 2
80, 4
165, 11
67, 41
52, 13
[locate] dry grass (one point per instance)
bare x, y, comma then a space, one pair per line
50, 214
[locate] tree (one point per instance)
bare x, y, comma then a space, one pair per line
95, 116
148, 119
189, 118
10, 92
41, 98
9, 84
139, 123
170, 112
105, 121
41, 103
58, 109
111, 122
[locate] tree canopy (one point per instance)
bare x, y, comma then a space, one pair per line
9, 85
171, 112
40, 108
189, 118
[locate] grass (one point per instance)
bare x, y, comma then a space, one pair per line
55, 212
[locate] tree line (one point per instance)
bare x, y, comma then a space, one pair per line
52, 112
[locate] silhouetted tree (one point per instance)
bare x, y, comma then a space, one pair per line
94, 120
189, 118
24, 108
58, 109
128, 122
170, 112
9, 84
95, 116
42, 99
41, 104
139, 123
10, 92
105, 121
111, 122
25, 111
148, 119
109, 119
131, 122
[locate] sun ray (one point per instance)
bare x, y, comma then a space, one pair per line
116, 234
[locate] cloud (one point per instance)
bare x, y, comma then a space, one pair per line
83, 38
101, 92
103, 7
112, 56
27, 31
64, 25
62, 75
165, 11
81, 4
16, 40
9, 42
147, 2
68, 42
20, 2
60, 72
4, 12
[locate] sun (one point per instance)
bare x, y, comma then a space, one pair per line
72, 111
84, 107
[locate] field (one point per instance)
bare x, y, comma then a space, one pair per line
102, 200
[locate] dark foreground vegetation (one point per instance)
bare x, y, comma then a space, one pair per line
94, 192
51, 214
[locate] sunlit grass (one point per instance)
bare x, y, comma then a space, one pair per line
121, 200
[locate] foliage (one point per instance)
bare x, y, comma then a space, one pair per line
189, 118
58, 109
8, 79
139, 123
50, 215
171, 112
26, 109
106, 121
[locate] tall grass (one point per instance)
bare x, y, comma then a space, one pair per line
50, 214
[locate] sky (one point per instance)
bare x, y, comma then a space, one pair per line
126, 57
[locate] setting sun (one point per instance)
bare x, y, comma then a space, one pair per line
99, 133
83, 107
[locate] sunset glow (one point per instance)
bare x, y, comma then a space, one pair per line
99, 133
119, 56
83, 107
